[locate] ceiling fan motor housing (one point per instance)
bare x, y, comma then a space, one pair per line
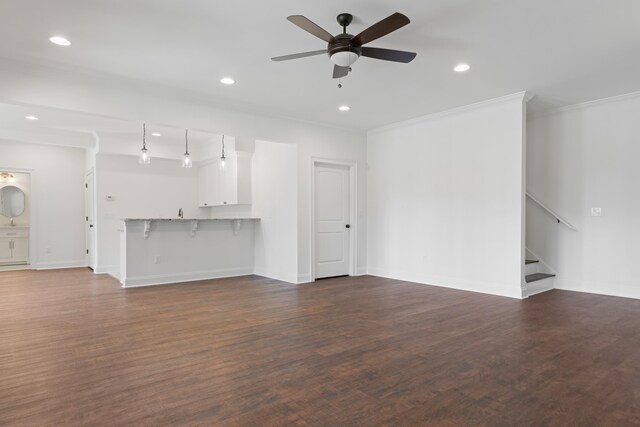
342, 52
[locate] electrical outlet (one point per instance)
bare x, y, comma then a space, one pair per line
596, 211
158, 260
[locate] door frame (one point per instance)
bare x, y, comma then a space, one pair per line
92, 204
33, 228
353, 212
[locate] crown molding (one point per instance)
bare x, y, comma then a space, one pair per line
523, 97
584, 105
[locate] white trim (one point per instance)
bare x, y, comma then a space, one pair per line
304, 278
583, 105
624, 290
33, 235
106, 269
15, 267
539, 286
353, 214
59, 264
167, 279
276, 276
519, 96
361, 271
93, 249
490, 288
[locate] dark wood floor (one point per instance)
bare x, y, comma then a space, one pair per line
76, 349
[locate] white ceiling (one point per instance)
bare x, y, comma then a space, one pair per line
563, 51
75, 129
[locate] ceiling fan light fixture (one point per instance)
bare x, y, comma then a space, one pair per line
344, 58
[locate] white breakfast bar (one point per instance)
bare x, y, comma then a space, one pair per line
156, 251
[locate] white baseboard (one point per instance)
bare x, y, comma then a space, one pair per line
107, 269
304, 278
451, 283
599, 288
361, 271
538, 287
166, 279
277, 276
59, 264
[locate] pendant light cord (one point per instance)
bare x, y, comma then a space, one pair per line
186, 141
144, 136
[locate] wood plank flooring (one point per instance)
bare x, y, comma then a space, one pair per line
76, 349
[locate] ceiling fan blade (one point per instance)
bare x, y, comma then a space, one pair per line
311, 27
388, 54
299, 55
382, 28
339, 72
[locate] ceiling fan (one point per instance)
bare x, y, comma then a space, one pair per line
345, 49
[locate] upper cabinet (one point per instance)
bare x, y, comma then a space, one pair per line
228, 185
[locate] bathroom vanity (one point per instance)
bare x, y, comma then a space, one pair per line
157, 251
14, 245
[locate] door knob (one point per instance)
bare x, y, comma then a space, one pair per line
347, 226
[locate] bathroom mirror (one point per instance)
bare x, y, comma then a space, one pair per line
11, 201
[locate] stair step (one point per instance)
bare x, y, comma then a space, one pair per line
530, 261
537, 276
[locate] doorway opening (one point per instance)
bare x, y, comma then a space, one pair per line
15, 220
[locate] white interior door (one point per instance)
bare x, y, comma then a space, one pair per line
90, 229
332, 218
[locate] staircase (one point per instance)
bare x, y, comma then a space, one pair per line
537, 280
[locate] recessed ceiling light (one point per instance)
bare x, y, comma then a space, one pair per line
461, 68
31, 117
227, 81
60, 41
156, 134
344, 108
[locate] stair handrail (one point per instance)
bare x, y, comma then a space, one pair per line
552, 212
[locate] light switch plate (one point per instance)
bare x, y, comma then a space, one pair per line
596, 211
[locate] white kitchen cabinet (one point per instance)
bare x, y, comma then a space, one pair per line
205, 185
231, 185
14, 245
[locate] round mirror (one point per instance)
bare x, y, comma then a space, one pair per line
11, 201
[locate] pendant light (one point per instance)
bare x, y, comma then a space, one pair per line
223, 159
144, 158
186, 161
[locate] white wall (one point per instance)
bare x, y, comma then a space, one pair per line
140, 101
57, 201
156, 190
578, 158
275, 202
445, 198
